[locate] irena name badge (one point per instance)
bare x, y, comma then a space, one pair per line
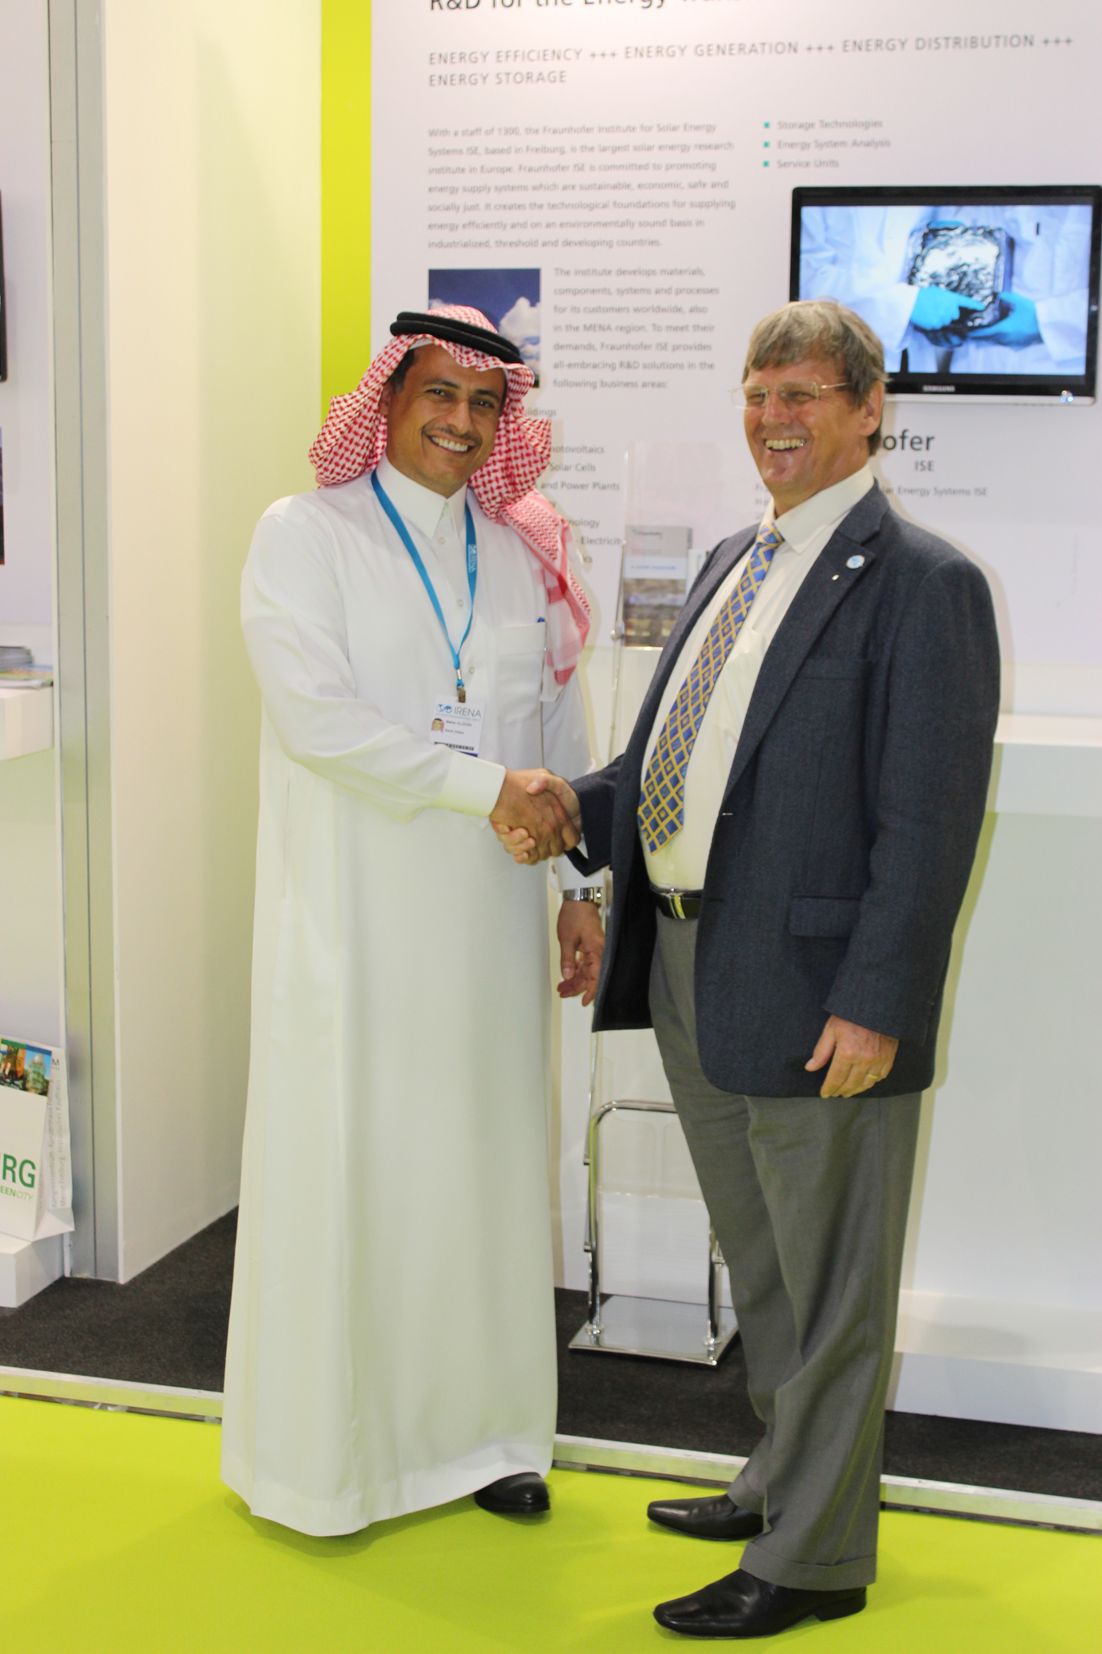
458, 725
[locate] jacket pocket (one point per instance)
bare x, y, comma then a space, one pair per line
823, 915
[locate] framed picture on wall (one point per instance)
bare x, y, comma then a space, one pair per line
3, 306
509, 298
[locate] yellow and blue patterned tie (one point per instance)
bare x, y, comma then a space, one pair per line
662, 800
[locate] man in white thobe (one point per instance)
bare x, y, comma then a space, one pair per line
391, 1337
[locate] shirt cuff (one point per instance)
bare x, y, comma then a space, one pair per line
472, 785
567, 876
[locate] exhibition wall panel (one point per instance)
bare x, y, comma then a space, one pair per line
614, 184
617, 182
346, 199
26, 401
30, 959
213, 259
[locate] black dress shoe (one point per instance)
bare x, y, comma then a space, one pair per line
522, 1495
742, 1606
714, 1518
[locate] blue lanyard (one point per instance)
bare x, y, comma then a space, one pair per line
472, 577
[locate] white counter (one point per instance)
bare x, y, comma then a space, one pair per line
26, 721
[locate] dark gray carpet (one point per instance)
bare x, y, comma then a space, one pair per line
169, 1327
667, 1404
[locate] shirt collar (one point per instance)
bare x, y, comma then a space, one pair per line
420, 506
823, 511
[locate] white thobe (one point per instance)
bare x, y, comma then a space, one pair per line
391, 1336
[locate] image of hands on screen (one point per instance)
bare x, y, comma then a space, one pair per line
988, 289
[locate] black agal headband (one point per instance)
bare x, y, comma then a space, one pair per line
457, 333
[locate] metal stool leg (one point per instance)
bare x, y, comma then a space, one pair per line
593, 1217
715, 1263
645, 1326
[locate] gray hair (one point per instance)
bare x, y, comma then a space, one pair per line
820, 327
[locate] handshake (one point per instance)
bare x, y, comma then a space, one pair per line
537, 815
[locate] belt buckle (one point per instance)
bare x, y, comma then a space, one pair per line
673, 901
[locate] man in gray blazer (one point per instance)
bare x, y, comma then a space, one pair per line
791, 830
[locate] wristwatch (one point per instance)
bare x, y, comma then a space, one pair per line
589, 893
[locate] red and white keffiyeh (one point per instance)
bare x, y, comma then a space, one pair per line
353, 440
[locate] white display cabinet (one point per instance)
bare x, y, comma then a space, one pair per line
26, 722
31, 996
29, 967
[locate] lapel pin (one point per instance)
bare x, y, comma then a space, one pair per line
855, 561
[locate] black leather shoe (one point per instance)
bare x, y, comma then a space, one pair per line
714, 1518
522, 1495
742, 1606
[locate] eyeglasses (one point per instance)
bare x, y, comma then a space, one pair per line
794, 393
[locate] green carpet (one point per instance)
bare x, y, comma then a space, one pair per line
117, 1536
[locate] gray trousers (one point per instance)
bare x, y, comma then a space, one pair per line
809, 1200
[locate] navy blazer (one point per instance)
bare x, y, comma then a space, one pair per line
849, 823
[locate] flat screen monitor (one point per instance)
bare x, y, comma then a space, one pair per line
977, 291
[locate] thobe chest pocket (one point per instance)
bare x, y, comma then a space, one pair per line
518, 666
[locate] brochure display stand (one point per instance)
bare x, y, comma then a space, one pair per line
35, 1169
658, 566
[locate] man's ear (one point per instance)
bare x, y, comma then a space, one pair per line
874, 407
385, 396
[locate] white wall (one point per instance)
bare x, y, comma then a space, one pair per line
212, 138
30, 923
26, 407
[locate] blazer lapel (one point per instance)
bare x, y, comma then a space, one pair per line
828, 584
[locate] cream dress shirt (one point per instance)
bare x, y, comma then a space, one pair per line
681, 863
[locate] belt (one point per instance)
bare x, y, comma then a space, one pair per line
678, 904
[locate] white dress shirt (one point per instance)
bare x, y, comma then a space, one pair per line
681, 863
439, 531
